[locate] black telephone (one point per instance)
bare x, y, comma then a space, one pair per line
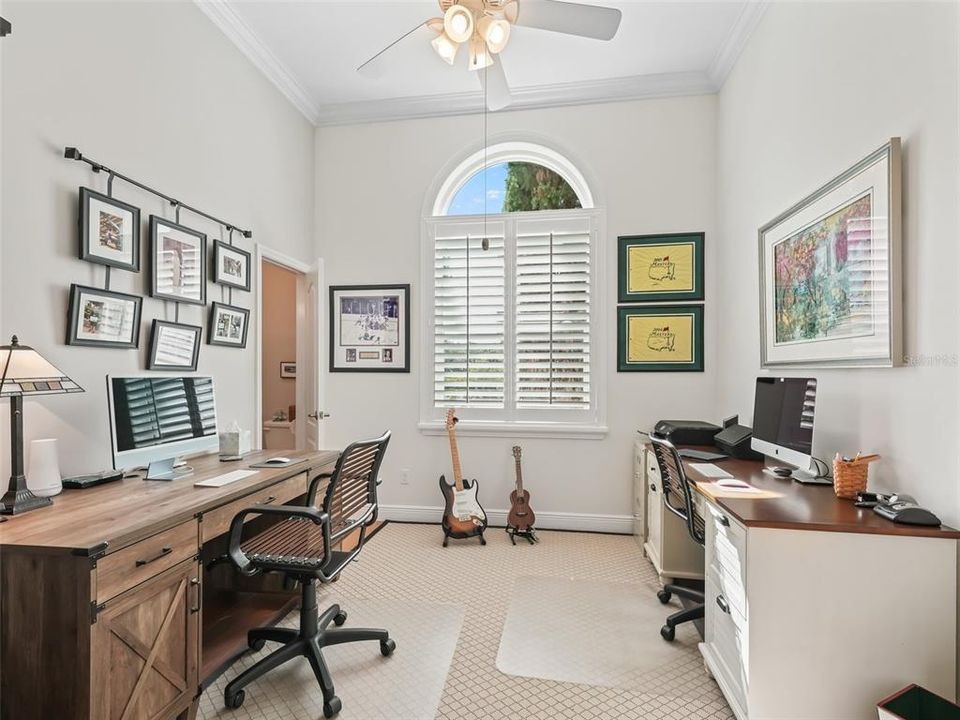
903, 509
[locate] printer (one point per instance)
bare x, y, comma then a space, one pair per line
687, 432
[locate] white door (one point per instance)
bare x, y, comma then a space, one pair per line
313, 343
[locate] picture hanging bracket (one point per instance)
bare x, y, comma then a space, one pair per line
5, 27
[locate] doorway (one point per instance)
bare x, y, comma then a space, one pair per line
278, 356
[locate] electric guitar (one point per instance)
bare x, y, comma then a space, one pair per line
520, 517
462, 515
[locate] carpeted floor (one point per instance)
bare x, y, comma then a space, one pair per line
406, 564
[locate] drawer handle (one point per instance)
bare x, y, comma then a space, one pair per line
195, 586
653, 487
269, 500
723, 604
723, 520
163, 552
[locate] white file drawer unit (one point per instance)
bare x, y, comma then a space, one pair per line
669, 546
804, 624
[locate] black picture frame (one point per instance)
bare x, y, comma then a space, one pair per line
201, 273
87, 252
213, 338
219, 276
288, 369
358, 351
153, 363
76, 336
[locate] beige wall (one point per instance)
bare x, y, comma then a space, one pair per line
155, 89
279, 337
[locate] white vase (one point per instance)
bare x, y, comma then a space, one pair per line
43, 470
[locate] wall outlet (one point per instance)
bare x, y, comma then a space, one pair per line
404, 476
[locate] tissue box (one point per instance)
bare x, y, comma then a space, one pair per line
235, 442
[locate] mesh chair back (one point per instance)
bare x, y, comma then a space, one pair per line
353, 486
677, 490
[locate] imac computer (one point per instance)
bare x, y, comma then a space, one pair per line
155, 419
783, 425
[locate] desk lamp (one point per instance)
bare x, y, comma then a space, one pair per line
23, 371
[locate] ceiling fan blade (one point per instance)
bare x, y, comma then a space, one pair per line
496, 89
376, 66
590, 21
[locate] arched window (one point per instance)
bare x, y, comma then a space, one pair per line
512, 267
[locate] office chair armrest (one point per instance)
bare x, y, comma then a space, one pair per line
236, 528
312, 493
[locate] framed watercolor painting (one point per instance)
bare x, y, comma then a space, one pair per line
660, 268
660, 338
173, 346
370, 328
109, 231
103, 318
179, 257
830, 272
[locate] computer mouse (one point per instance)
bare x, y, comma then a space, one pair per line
277, 461
783, 471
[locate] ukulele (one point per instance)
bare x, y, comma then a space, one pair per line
462, 515
520, 519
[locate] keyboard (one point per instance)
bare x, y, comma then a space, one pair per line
225, 479
710, 471
701, 455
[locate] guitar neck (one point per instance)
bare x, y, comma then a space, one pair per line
455, 456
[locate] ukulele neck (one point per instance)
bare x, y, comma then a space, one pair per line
519, 477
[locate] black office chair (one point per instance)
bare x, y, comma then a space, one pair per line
678, 498
302, 546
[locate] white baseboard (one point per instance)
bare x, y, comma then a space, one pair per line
619, 524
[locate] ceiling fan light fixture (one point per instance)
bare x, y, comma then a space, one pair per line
480, 56
446, 48
495, 32
458, 23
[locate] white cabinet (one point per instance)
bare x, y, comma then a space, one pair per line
805, 624
669, 546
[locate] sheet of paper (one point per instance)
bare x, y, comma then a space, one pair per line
710, 470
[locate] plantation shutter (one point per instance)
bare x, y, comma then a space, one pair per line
469, 315
552, 309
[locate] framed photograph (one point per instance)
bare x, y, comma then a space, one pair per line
288, 369
103, 318
228, 325
173, 346
179, 262
660, 338
830, 275
109, 231
660, 268
231, 266
370, 328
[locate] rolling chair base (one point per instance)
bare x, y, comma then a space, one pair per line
668, 631
308, 641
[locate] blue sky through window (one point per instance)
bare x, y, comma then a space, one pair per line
475, 195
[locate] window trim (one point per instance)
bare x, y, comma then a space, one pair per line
552, 423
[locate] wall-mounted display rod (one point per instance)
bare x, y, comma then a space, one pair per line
71, 153
5, 27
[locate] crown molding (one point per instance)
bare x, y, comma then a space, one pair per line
232, 25
637, 87
729, 52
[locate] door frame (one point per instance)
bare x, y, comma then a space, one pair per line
261, 253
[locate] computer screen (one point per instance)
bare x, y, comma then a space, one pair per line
783, 414
157, 417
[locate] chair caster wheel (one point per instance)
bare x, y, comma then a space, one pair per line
256, 645
387, 647
235, 700
664, 596
340, 618
332, 706
667, 633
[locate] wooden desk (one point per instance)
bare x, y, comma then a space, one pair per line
818, 609
115, 603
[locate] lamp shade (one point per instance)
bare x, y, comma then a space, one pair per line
24, 371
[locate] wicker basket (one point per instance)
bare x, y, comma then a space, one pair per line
850, 476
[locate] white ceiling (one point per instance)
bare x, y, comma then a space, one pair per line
311, 50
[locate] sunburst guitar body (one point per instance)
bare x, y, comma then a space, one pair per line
463, 516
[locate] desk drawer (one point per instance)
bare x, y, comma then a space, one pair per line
217, 521
727, 635
136, 563
726, 546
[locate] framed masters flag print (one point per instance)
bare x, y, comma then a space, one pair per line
660, 338
660, 268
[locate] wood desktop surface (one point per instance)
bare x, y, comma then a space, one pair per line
124, 511
801, 507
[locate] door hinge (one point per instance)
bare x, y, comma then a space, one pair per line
95, 610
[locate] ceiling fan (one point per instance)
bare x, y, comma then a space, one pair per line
484, 26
